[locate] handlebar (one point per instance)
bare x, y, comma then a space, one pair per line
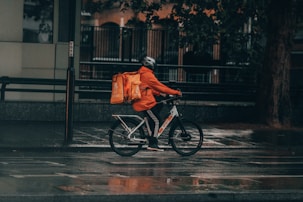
170, 99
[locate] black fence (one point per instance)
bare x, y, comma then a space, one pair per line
107, 50
110, 49
101, 89
123, 44
173, 73
230, 90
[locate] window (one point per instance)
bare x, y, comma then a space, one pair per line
64, 12
38, 21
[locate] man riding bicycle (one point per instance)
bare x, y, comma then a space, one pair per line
150, 86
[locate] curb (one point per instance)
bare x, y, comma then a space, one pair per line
220, 196
104, 148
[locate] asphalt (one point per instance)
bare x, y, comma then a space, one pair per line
48, 137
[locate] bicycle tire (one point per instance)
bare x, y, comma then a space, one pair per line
120, 143
187, 143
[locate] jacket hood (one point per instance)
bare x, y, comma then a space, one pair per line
145, 69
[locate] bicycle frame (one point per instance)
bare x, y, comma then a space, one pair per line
172, 114
126, 127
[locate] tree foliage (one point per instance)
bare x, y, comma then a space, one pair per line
254, 32
237, 25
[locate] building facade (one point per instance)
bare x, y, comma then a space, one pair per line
34, 43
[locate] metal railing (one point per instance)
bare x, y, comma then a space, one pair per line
101, 89
125, 44
175, 73
122, 44
29, 85
214, 83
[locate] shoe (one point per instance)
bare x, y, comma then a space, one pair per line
154, 147
153, 144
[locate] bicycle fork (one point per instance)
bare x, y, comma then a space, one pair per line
179, 122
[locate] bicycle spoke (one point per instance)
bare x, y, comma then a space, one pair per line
188, 142
121, 143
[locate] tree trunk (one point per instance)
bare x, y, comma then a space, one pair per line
273, 102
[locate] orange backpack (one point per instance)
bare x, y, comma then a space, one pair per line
125, 87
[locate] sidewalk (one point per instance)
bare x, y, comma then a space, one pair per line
50, 135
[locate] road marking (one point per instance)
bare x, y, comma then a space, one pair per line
67, 175
209, 176
54, 163
275, 163
30, 176
44, 175
88, 134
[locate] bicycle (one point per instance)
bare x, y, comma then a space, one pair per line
127, 134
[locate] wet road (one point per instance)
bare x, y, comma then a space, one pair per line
210, 175
240, 164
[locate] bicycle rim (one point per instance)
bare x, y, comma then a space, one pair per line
120, 143
187, 143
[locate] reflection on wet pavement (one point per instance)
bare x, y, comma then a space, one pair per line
106, 173
230, 160
213, 137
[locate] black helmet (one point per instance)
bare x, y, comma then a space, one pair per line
149, 62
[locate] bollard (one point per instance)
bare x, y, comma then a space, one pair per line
70, 80
70, 86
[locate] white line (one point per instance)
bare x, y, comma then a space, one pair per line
209, 176
44, 175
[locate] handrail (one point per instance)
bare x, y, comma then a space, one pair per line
5, 81
195, 90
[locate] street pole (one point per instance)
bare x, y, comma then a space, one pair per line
70, 78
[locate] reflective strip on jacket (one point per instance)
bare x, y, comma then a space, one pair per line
149, 87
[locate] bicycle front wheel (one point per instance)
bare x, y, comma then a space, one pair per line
186, 137
119, 140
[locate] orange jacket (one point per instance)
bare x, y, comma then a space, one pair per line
149, 87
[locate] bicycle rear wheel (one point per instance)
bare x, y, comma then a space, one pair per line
119, 141
186, 137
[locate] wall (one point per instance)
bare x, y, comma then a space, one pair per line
33, 60
101, 112
10, 37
